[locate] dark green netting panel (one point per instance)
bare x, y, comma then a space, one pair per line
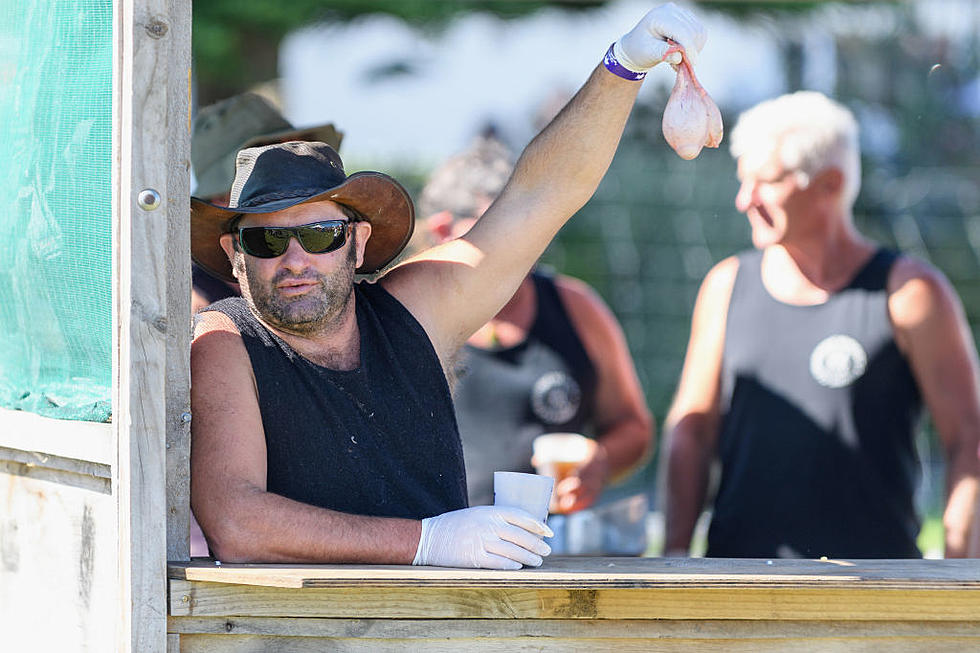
55, 225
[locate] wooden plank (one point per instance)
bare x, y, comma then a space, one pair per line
771, 603
258, 644
407, 629
34, 460
586, 573
98, 484
178, 278
149, 34
44, 436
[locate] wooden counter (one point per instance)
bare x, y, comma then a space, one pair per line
580, 604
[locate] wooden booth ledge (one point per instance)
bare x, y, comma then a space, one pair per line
589, 588
579, 605
598, 573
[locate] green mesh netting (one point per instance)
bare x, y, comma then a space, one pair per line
55, 225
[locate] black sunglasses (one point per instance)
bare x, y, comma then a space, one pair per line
315, 238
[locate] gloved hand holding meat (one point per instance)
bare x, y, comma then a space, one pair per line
668, 33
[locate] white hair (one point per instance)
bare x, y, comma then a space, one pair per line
810, 132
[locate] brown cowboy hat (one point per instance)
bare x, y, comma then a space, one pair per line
275, 177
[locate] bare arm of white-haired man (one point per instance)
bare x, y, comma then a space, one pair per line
624, 425
691, 428
931, 330
456, 287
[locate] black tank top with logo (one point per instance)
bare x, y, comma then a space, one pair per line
506, 397
380, 440
817, 439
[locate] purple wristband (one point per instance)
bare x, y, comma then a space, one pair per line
612, 65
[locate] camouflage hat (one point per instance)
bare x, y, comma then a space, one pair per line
239, 122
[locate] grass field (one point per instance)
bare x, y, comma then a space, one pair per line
932, 537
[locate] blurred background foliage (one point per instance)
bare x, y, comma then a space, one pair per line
236, 43
657, 223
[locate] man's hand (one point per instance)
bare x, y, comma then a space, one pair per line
488, 537
644, 46
581, 488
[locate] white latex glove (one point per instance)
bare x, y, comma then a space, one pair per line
643, 47
490, 537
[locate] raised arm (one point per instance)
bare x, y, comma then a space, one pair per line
691, 429
931, 329
456, 287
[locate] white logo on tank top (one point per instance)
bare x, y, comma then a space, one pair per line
838, 361
555, 398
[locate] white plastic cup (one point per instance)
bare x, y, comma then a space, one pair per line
529, 492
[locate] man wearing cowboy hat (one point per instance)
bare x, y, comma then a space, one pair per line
220, 131
323, 426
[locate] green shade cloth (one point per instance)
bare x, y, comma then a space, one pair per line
55, 207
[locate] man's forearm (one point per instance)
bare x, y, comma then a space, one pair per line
258, 526
687, 485
961, 515
626, 445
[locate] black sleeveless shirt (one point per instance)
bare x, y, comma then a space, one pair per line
817, 438
506, 397
380, 440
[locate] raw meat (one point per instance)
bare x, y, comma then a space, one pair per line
691, 118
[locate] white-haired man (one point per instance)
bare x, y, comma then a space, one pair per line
323, 427
808, 361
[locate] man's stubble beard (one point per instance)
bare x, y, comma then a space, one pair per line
314, 311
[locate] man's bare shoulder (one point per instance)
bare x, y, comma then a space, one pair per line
217, 352
917, 289
579, 296
721, 277
210, 321
593, 320
224, 394
909, 268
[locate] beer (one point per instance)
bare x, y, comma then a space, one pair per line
558, 470
559, 455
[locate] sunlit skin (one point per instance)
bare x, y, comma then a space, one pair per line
768, 194
299, 293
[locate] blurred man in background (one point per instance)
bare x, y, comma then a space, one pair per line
808, 362
220, 131
554, 359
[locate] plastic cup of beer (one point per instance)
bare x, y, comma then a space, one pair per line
529, 492
558, 455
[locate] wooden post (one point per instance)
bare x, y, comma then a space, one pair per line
178, 427
151, 296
